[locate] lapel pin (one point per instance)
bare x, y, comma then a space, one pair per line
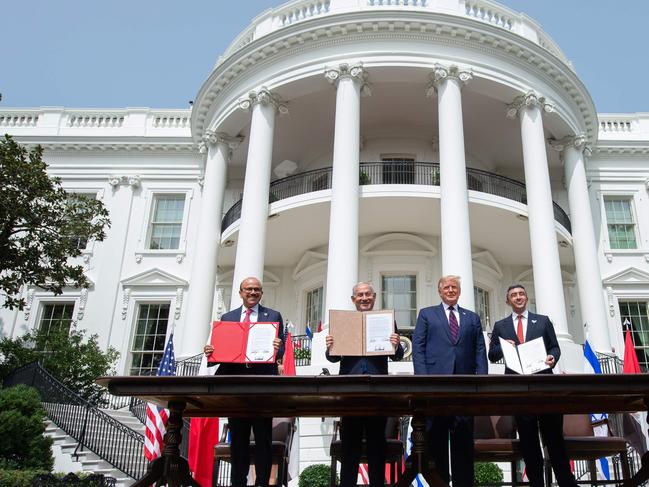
533, 321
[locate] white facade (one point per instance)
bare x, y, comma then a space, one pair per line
319, 91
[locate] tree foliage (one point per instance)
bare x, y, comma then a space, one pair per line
23, 445
41, 225
67, 355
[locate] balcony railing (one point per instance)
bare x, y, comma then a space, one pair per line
420, 173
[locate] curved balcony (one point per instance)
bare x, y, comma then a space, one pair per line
421, 173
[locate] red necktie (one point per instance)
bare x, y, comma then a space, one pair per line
453, 325
519, 330
246, 319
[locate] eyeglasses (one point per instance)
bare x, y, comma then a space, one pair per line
363, 295
251, 290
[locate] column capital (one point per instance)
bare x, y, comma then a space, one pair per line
529, 99
579, 142
442, 73
213, 138
264, 96
355, 72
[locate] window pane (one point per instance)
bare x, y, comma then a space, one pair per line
620, 222
481, 298
166, 221
635, 313
400, 293
149, 339
314, 301
56, 317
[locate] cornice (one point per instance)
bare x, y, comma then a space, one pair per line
630, 149
63, 144
363, 26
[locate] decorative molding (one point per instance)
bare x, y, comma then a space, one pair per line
213, 138
126, 297
629, 276
134, 181
611, 301
81, 308
154, 277
576, 141
529, 99
356, 72
442, 73
264, 96
179, 302
29, 301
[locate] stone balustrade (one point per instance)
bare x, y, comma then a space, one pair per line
632, 126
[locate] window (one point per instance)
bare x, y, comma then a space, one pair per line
620, 222
149, 340
79, 242
398, 170
481, 298
314, 300
400, 294
55, 317
636, 313
166, 221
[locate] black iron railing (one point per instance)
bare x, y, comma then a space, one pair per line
421, 173
89, 426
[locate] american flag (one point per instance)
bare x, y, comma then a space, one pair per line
156, 417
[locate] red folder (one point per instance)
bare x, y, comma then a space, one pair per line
230, 342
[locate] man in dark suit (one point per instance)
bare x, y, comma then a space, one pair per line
517, 328
250, 291
448, 340
352, 428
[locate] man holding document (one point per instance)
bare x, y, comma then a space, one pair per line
258, 353
379, 341
529, 345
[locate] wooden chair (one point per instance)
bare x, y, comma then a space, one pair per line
495, 441
582, 444
394, 450
283, 431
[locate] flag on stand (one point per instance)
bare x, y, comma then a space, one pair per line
156, 417
591, 366
289, 356
419, 480
319, 326
309, 333
631, 365
363, 473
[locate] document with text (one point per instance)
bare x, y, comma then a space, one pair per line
526, 358
359, 333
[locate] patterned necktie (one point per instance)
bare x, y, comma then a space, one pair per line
519, 330
453, 325
246, 319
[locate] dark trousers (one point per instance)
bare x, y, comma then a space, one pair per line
551, 427
351, 436
240, 450
460, 430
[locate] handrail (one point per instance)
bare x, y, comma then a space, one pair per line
419, 173
109, 439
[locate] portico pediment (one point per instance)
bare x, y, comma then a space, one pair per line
154, 277
628, 276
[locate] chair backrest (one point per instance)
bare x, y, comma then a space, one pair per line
494, 427
577, 425
392, 427
282, 429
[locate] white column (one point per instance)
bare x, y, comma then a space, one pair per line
455, 227
548, 285
203, 277
251, 241
584, 242
342, 263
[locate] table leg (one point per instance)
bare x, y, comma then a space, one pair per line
170, 469
419, 461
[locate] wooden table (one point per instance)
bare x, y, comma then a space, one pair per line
363, 395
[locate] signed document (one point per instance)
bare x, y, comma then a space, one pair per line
243, 342
378, 328
360, 333
526, 358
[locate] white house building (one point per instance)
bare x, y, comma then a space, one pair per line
391, 141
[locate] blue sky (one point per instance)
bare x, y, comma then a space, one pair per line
156, 53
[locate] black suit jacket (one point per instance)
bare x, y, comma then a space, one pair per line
265, 314
537, 326
370, 365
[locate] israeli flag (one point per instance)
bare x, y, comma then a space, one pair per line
419, 480
591, 366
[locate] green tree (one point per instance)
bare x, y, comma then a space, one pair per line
66, 354
23, 445
41, 226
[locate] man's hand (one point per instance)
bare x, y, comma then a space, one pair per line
329, 340
277, 343
208, 349
394, 340
549, 360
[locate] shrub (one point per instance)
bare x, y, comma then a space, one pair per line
39, 478
23, 445
487, 474
317, 475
